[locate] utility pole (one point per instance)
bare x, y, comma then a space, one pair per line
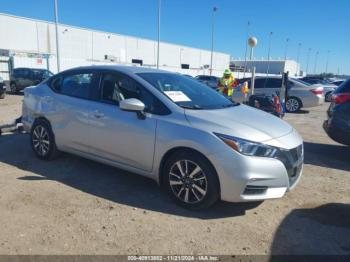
212, 39
307, 60
327, 61
298, 56
57, 40
286, 50
158, 44
246, 49
268, 54
315, 66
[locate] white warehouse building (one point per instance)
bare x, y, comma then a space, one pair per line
274, 67
32, 43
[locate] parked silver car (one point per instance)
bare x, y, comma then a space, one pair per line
193, 141
300, 94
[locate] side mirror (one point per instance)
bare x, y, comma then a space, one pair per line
133, 105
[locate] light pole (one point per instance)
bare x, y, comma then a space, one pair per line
268, 54
181, 49
212, 39
327, 61
286, 50
246, 50
158, 43
307, 60
57, 40
298, 56
315, 66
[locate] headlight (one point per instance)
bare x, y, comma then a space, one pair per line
248, 148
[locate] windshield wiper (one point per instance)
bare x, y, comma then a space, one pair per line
230, 105
196, 107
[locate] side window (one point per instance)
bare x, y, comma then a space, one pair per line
77, 85
259, 83
117, 87
17, 73
26, 73
273, 83
56, 83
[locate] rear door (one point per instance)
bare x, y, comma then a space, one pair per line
70, 119
271, 86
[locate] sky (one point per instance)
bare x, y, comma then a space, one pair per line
321, 25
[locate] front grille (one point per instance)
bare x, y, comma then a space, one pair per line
293, 162
254, 190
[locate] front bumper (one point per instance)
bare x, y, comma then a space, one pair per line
246, 178
335, 132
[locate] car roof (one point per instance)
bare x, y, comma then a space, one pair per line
123, 69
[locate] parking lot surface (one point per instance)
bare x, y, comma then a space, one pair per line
75, 206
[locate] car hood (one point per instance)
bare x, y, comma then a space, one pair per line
240, 121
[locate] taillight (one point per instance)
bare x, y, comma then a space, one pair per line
341, 98
317, 91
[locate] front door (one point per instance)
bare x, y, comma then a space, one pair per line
118, 135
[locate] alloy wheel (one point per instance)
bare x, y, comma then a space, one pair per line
292, 105
188, 182
41, 140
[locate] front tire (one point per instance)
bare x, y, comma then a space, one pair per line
191, 180
43, 140
293, 104
2, 96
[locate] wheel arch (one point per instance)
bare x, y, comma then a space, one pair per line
297, 98
172, 151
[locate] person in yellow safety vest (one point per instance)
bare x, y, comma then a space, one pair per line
227, 83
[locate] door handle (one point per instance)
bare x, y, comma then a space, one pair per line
98, 114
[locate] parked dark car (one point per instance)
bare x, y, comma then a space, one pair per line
211, 81
338, 82
2, 88
21, 78
337, 126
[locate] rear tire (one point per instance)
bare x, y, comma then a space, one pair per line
43, 140
293, 104
191, 180
2, 96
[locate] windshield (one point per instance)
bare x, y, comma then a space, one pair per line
186, 92
301, 81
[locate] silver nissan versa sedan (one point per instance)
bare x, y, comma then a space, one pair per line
193, 141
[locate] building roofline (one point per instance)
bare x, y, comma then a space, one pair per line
106, 32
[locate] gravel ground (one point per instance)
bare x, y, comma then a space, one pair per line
76, 206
